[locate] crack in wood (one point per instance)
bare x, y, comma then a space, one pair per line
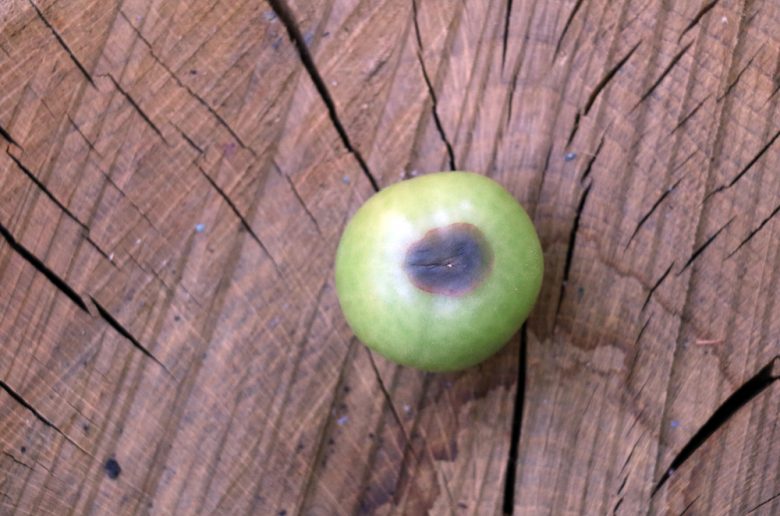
566, 26
111, 320
617, 505
625, 464
319, 450
15, 460
221, 121
40, 417
225, 197
707, 7
685, 161
664, 74
85, 229
592, 160
298, 197
431, 92
608, 77
507, 20
546, 166
704, 246
623, 484
190, 141
746, 168
768, 500
53, 278
121, 192
244, 223
572, 242
7, 137
389, 400
399, 421
754, 386
688, 507
652, 209
284, 14
690, 114
136, 107
102, 253
574, 127
753, 233
517, 423
144, 40
774, 91
515, 77
27, 405
42, 187
652, 291
78, 130
733, 83
62, 44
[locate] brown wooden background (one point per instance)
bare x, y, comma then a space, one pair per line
174, 177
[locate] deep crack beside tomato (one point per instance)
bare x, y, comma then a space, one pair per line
451, 260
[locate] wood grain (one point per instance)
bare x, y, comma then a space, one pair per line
174, 178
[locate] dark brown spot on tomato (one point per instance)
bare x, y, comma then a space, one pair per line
451, 260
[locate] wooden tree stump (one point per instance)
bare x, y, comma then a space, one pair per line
174, 179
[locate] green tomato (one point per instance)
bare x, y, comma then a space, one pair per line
439, 271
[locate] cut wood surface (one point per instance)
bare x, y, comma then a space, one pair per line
174, 179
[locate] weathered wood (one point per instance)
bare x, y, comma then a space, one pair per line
174, 177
